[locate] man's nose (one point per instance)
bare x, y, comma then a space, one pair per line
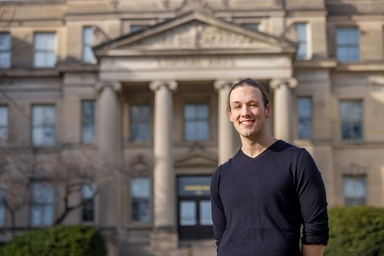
245, 110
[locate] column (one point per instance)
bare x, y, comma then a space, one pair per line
108, 138
225, 131
108, 123
283, 108
164, 235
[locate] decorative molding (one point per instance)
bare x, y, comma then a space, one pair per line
198, 35
139, 166
116, 86
194, 5
276, 83
197, 156
355, 170
155, 85
221, 84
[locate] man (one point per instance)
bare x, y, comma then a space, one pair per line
264, 194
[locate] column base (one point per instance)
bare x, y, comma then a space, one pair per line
162, 241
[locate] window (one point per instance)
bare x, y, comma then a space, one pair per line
41, 204
301, 37
196, 126
5, 50
88, 195
43, 125
304, 112
137, 28
355, 190
252, 26
45, 50
139, 122
3, 124
88, 121
347, 41
140, 192
2, 208
88, 56
351, 112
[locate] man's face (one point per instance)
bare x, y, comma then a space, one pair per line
248, 113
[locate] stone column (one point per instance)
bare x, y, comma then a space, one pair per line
283, 108
164, 235
226, 133
108, 142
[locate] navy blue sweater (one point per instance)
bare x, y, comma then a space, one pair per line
259, 204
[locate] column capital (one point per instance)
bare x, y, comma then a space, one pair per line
155, 85
290, 82
116, 86
220, 84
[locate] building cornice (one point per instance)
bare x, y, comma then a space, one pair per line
316, 63
360, 67
29, 73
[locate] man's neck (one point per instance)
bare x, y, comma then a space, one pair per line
253, 148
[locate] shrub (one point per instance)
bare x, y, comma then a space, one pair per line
57, 241
356, 231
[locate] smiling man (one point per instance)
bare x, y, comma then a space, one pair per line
264, 194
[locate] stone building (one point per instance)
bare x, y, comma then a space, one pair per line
144, 84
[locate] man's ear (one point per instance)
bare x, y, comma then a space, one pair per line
230, 116
268, 111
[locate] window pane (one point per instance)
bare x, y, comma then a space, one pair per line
88, 55
43, 131
140, 195
5, 60
88, 35
301, 34
252, 26
45, 49
88, 193
347, 40
354, 190
88, 121
304, 110
47, 215
205, 213
140, 187
301, 37
41, 204
5, 50
2, 208
3, 124
196, 122
139, 123
351, 114
136, 28
5, 42
187, 213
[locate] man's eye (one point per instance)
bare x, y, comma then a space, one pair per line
236, 107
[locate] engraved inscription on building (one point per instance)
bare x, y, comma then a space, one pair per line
186, 62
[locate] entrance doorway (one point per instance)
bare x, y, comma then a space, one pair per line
194, 207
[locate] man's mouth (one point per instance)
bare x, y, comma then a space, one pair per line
246, 122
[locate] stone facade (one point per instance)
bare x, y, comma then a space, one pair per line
191, 51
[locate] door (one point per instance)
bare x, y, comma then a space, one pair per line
194, 207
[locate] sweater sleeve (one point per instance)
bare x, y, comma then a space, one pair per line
218, 214
312, 197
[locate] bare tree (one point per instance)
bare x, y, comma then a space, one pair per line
18, 169
76, 170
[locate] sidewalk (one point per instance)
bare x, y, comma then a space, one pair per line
186, 248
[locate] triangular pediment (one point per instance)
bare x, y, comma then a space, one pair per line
195, 32
197, 157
